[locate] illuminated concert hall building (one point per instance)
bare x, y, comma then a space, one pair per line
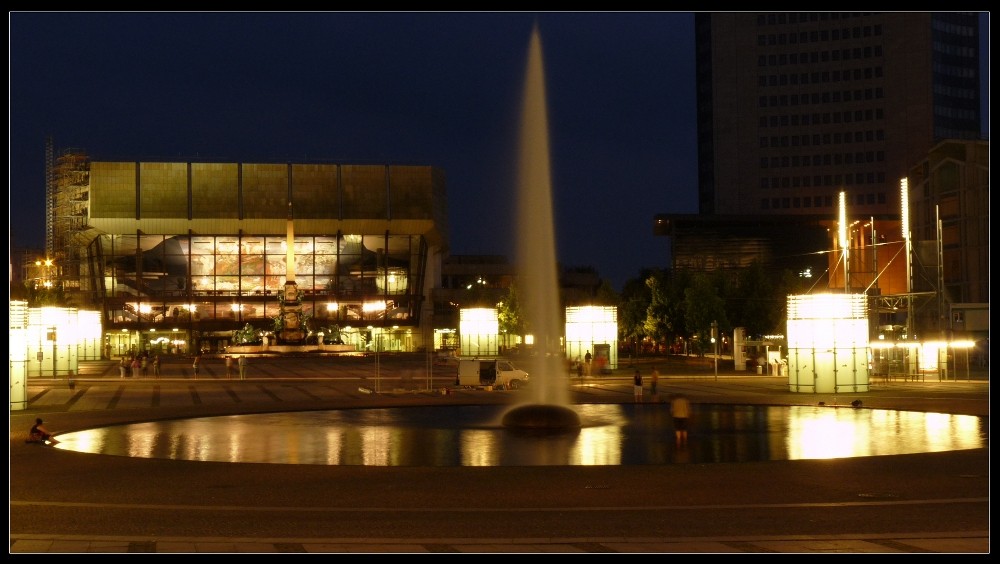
178, 255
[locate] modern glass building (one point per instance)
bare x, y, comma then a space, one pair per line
178, 255
795, 107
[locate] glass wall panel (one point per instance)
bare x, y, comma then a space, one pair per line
274, 257
351, 278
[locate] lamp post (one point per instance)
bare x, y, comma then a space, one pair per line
715, 345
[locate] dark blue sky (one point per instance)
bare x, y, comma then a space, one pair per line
440, 89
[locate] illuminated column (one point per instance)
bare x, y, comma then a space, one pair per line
290, 249
739, 356
828, 343
842, 239
478, 329
52, 341
91, 333
904, 198
18, 355
594, 329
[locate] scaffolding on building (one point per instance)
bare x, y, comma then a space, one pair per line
67, 176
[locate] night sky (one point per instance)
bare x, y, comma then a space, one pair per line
439, 89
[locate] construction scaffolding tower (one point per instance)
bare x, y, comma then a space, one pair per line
67, 199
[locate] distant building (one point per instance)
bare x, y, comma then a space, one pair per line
951, 187
179, 254
795, 108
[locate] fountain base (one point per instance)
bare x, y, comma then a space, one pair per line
541, 417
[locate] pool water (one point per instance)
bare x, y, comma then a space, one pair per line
611, 434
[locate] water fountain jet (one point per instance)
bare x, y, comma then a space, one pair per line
548, 404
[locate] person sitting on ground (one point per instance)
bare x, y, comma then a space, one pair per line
39, 434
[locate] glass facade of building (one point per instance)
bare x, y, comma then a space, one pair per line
353, 278
202, 248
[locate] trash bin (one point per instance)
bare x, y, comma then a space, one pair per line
760, 369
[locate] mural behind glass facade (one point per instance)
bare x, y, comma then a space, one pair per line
348, 278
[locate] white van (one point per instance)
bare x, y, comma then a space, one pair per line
495, 372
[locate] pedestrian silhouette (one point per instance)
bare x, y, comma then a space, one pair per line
680, 409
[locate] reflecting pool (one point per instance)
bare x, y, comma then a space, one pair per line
612, 434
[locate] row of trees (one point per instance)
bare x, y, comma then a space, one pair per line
667, 306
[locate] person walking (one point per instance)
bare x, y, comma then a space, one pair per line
156, 366
229, 366
587, 358
243, 367
144, 365
123, 368
196, 364
135, 367
637, 386
654, 378
680, 409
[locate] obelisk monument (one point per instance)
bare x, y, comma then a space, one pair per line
292, 327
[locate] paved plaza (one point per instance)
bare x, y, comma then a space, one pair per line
71, 502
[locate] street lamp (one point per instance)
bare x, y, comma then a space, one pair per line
715, 346
43, 272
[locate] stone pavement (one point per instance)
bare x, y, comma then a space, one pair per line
66, 502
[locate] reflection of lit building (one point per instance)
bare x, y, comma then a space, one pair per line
202, 247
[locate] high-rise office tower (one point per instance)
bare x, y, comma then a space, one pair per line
794, 108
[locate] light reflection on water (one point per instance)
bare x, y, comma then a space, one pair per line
627, 434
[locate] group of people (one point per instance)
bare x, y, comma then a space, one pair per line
241, 362
138, 365
680, 406
639, 390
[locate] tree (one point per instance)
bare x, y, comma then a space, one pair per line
657, 323
758, 307
677, 283
248, 335
759, 299
606, 294
510, 320
632, 305
702, 307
